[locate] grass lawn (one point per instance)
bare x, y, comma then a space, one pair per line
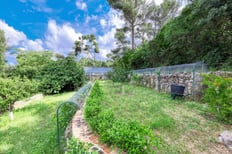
181, 125
33, 130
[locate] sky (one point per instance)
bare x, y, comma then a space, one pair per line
55, 24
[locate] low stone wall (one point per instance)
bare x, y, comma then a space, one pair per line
191, 81
97, 77
163, 82
21, 104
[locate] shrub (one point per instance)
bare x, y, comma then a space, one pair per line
137, 79
61, 75
77, 147
127, 135
218, 96
15, 89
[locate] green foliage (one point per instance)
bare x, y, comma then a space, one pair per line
127, 135
137, 79
121, 69
78, 147
202, 32
15, 89
66, 112
30, 63
2, 49
218, 96
86, 43
61, 75
119, 75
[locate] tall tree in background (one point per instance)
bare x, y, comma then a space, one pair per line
164, 13
134, 12
86, 43
143, 19
2, 49
121, 42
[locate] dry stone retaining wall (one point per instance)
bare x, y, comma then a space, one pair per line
191, 81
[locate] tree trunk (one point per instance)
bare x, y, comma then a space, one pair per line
132, 37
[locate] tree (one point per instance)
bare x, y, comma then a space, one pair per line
64, 74
122, 44
143, 19
201, 33
30, 63
163, 13
2, 50
86, 43
134, 12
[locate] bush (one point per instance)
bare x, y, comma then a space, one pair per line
218, 96
119, 75
15, 89
77, 147
127, 135
61, 75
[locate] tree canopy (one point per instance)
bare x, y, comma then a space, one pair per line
202, 32
30, 63
2, 49
143, 19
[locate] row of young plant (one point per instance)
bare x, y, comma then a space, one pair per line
129, 136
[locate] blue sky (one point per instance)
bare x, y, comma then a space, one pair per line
55, 24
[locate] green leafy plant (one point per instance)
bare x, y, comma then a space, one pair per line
75, 146
137, 79
15, 89
61, 75
218, 96
127, 135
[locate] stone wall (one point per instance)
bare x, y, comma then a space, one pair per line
163, 82
192, 82
97, 77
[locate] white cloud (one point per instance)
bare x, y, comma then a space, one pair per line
15, 38
158, 2
112, 21
81, 5
89, 18
60, 38
115, 19
107, 42
103, 22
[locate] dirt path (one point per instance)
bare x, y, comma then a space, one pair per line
81, 131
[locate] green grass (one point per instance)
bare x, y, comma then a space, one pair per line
180, 124
33, 130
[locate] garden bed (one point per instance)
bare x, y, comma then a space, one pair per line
182, 126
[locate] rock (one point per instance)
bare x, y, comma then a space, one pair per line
97, 149
226, 138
